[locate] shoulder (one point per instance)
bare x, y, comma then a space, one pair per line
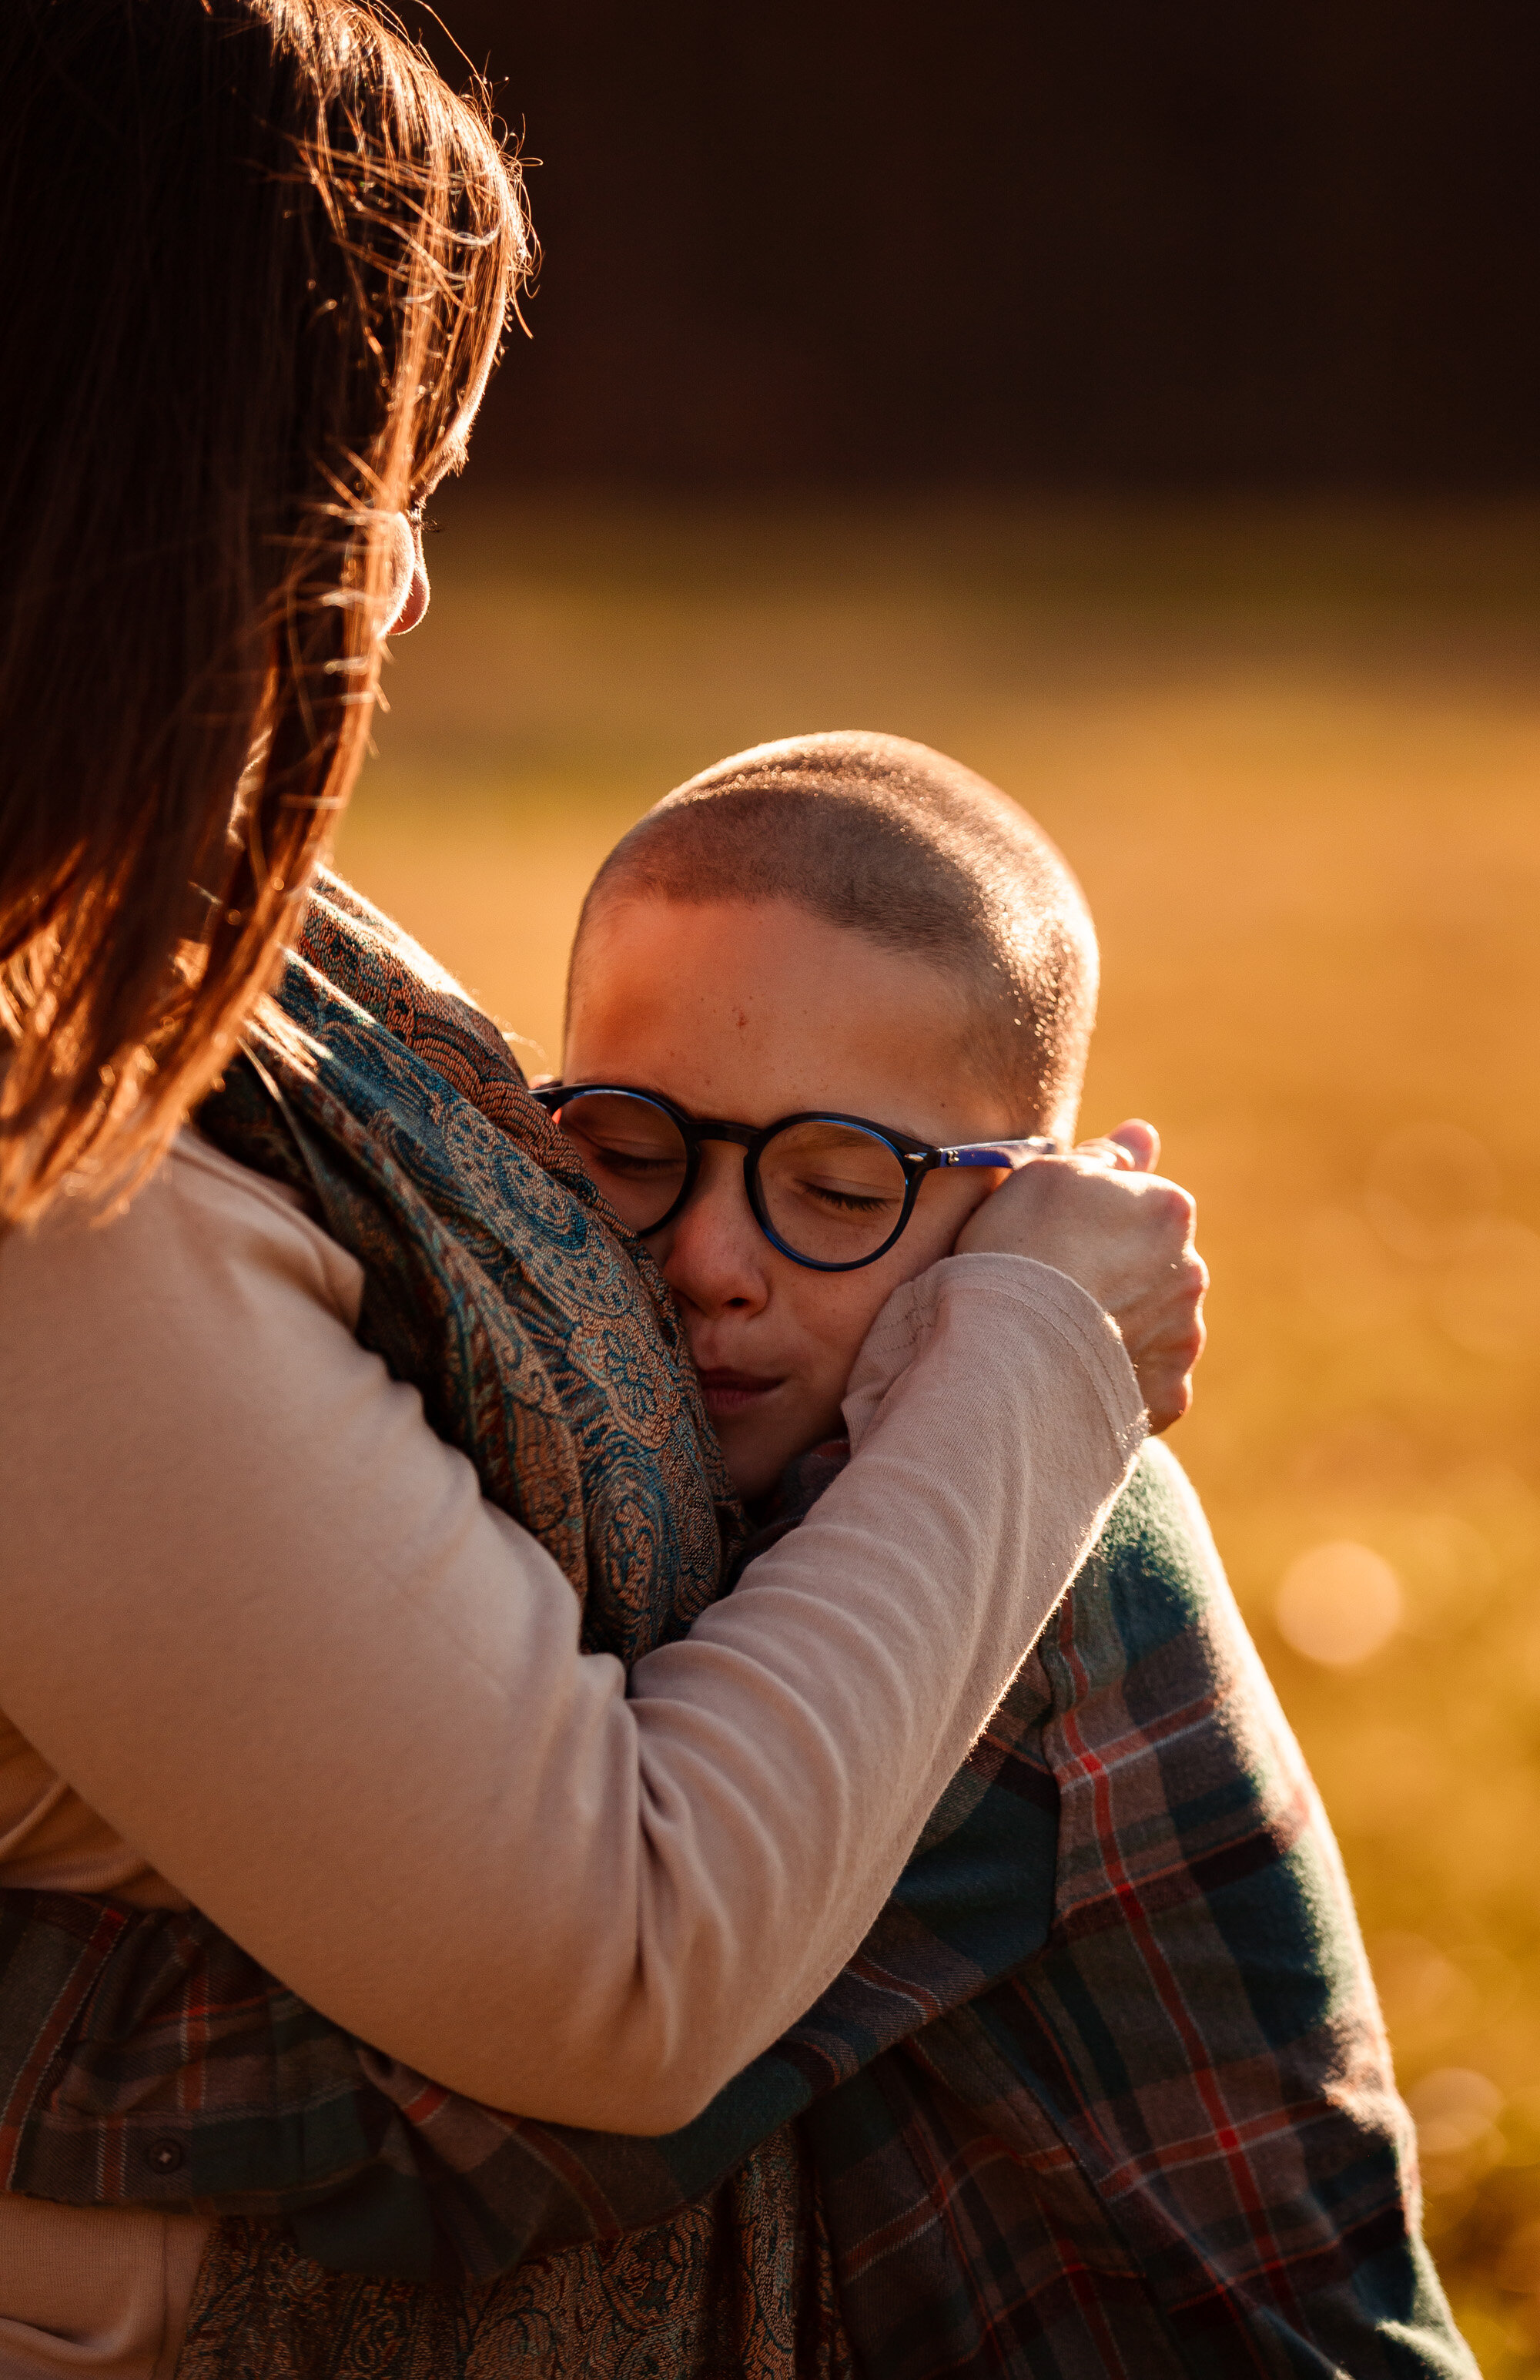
154, 1357
203, 1232
207, 1301
1154, 1581
1159, 1523
252, 1221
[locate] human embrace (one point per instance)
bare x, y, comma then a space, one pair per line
619, 1752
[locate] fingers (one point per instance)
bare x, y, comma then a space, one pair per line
1116, 1232
1125, 1234
1133, 1147
1142, 1142
1104, 1151
1165, 1334
1166, 1385
1168, 1395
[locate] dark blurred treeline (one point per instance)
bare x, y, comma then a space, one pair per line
1118, 243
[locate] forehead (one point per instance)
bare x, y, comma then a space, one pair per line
755, 1010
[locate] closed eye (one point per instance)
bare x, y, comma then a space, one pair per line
847, 1202
627, 1163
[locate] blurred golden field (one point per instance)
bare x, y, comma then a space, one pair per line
1294, 756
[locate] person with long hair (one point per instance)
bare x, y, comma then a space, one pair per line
363, 1531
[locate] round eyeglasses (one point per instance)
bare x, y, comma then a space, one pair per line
832, 1192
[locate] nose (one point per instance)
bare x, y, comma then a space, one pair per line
713, 1254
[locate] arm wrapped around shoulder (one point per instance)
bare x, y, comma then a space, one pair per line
263, 1622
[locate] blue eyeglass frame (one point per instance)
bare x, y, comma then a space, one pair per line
917, 1156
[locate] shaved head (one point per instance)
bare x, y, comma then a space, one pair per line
917, 854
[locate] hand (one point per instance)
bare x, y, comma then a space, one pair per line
1125, 1235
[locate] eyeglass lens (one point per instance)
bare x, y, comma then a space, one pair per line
829, 1190
631, 1149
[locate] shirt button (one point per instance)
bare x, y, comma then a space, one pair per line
165, 2155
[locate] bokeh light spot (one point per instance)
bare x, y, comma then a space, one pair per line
1456, 2109
1428, 2001
1338, 1603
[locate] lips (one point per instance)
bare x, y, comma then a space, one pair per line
727, 1392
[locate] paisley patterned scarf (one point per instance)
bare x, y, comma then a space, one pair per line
546, 1347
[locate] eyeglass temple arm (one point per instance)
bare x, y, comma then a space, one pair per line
998, 1152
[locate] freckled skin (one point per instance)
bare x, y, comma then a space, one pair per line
753, 1011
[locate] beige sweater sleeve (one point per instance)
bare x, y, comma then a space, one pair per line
262, 1620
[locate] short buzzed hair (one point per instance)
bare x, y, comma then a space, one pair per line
917, 853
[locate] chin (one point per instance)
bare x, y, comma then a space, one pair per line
751, 1480
752, 1469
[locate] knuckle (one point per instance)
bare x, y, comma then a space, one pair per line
1170, 1210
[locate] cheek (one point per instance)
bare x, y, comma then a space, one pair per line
838, 1309
817, 1336
844, 1306
945, 1202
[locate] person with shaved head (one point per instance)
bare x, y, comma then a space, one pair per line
917, 855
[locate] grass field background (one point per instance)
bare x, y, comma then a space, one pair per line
1294, 756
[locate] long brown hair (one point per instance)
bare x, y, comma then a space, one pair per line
260, 257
